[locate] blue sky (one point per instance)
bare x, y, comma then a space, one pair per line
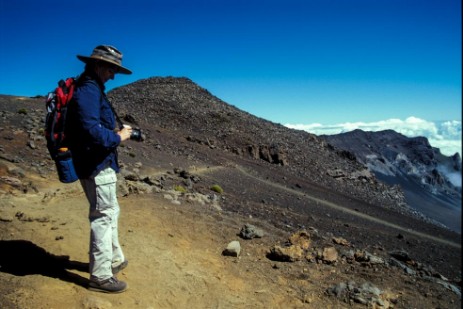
315, 65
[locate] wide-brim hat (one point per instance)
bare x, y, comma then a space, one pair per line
108, 54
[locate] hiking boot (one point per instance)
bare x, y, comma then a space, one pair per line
120, 267
111, 285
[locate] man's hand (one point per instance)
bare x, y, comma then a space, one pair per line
125, 133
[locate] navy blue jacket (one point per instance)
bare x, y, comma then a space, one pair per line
90, 128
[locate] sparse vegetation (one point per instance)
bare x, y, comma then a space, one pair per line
180, 189
217, 188
22, 111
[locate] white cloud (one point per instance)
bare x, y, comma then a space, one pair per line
452, 176
443, 135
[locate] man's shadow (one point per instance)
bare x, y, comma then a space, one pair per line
21, 258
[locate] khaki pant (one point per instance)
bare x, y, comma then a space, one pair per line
105, 250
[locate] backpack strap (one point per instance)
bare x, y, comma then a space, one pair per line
64, 93
118, 119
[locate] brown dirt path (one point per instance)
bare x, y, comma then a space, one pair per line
174, 254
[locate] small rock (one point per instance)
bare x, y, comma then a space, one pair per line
341, 241
400, 255
337, 289
249, 231
233, 249
31, 144
301, 239
330, 255
4, 217
373, 259
285, 254
93, 302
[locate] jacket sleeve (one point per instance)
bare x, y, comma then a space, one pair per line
97, 123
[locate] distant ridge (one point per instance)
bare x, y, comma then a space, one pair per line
431, 180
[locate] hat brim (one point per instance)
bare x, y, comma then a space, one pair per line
122, 70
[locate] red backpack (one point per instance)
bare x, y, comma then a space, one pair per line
55, 123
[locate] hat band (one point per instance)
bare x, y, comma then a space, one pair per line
105, 55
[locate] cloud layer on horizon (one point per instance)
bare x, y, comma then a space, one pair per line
445, 135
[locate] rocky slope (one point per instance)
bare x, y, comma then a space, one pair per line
196, 116
334, 235
431, 180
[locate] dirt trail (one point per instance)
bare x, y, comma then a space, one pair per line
350, 211
174, 254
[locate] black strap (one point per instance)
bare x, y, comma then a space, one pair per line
118, 120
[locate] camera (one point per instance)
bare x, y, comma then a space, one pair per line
136, 135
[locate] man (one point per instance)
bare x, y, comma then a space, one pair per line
94, 138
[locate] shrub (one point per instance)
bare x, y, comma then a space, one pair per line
180, 188
22, 111
217, 189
